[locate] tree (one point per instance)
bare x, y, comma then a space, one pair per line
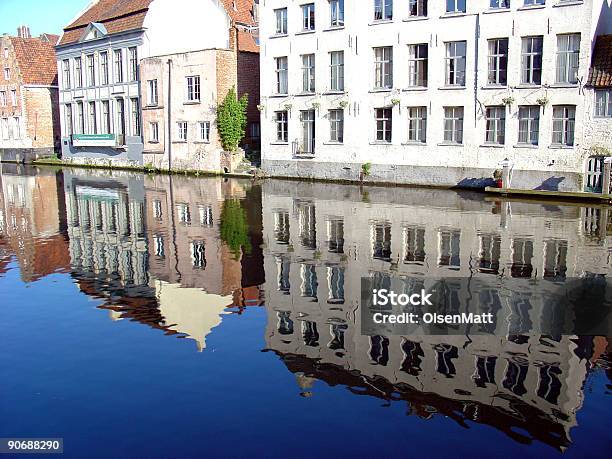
235, 228
232, 119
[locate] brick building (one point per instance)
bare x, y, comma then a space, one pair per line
181, 91
29, 113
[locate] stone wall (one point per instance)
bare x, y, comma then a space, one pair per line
42, 109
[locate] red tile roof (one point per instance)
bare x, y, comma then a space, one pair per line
36, 60
246, 42
600, 74
116, 15
243, 11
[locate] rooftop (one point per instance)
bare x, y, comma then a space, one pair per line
600, 74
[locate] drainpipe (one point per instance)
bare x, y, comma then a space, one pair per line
169, 116
476, 41
607, 170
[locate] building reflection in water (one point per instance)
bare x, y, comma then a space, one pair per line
148, 247
151, 249
321, 239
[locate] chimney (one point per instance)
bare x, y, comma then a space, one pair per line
23, 31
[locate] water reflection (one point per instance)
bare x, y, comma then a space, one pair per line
529, 387
178, 254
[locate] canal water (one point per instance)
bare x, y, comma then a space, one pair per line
170, 316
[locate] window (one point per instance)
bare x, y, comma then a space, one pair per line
193, 88
118, 66
281, 227
158, 246
531, 60
555, 259
499, 4
335, 282
307, 220
522, 256
106, 118
417, 8
154, 132
120, 108
104, 67
335, 235
182, 131
498, 61
489, 253
284, 285
14, 97
2, 98
281, 75
282, 134
336, 126
455, 6
449, 247
417, 124
66, 73
336, 13
133, 64
6, 53
308, 16
198, 254
603, 103
68, 119
529, 124
455, 63
80, 127
206, 215
564, 119
255, 131
78, 72
417, 65
152, 93
453, 124
383, 67
184, 214
534, 2
309, 290
381, 241
91, 70
92, 121
383, 10
205, 131
336, 68
308, 73
308, 131
384, 124
496, 125
16, 128
7, 73
135, 105
281, 21
4, 128
568, 57
414, 244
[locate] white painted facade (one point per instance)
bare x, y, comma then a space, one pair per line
474, 157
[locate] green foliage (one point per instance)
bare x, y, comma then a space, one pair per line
365, 168
232, 119
234, 227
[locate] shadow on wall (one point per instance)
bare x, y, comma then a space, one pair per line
476, 183
550, 184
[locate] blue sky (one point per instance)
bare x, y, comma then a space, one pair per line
41, 15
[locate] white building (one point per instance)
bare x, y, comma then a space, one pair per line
427, 91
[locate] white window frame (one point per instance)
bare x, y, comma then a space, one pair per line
281, 120
383, 117
181, 127
495, 131
154, 132
383, 67
193, 88
280, 15
204, 131
308, 17
282, 75
568, 58
336, 70
152, 93
417, 124
104, 75
455, 68
453, 124
564, 125
531, 52
383, 10
336, 13
603, 103
336, 125
308, 73
529, 125
418, 55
